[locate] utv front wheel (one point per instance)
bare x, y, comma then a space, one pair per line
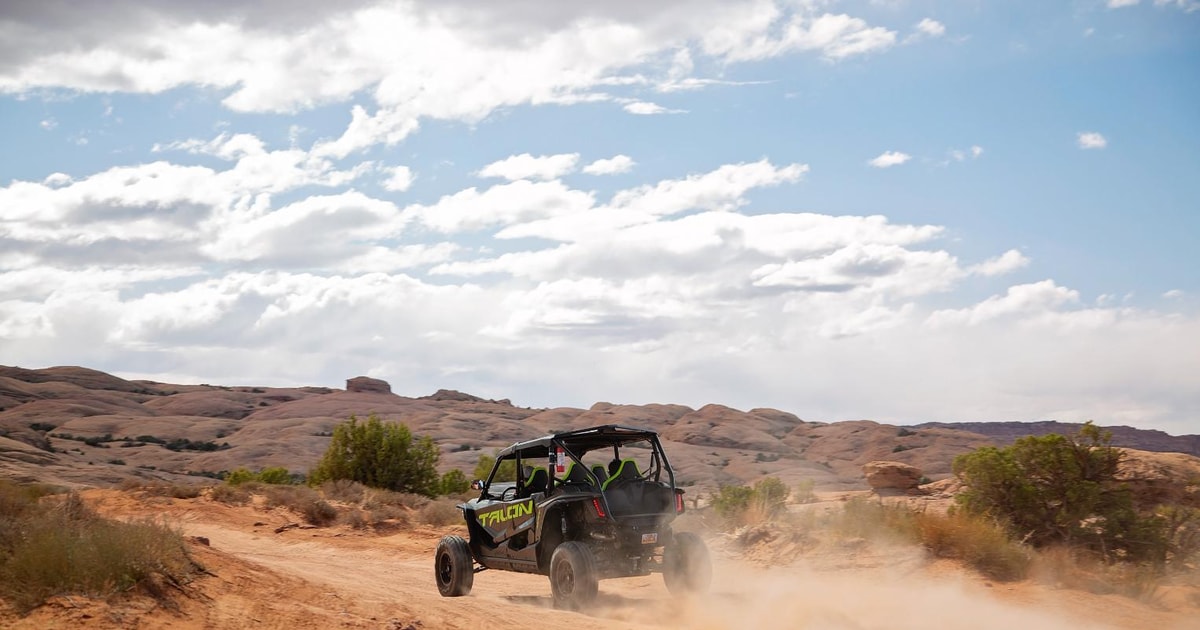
573, 575
686, 565
453, 567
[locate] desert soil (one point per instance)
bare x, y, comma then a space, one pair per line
342, 578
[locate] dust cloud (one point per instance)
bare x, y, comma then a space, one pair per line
891, 598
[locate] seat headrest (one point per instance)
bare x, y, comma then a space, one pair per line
627, 470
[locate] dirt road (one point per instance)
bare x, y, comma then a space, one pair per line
318, 578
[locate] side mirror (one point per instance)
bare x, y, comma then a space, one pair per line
477, 484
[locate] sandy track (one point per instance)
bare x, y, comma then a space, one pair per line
315, 578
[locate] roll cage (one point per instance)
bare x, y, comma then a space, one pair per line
557, 454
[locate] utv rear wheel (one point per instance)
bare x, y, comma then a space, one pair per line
686, 566
573, 577
453, 567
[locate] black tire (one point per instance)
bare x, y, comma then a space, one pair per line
687, 568
573, 578
453, 567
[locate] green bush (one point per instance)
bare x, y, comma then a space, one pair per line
380, 455
239, 476
454, 482
277, 475
483, 468
742, 505
1052, 489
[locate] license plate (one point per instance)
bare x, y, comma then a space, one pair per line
650, 539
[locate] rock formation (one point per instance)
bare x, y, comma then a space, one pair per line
368, 384
892, 477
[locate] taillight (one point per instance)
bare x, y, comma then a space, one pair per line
679, 502
599, 507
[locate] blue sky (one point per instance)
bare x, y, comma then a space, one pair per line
895, 209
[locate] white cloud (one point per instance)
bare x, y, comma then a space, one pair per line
503, 204
721, 189
1173, 294
1117, 4
526, 166
888, 159
680, 288
611, 166
644, 108
48, 124
458, 64
1186, 5
1005, 263
316, 232
931, 27
961, 155
1091, 140
836, 37
400, 178
1024, 299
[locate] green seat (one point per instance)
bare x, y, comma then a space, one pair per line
536, 482
575, 474
627, 471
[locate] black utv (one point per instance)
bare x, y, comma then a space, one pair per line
586, 505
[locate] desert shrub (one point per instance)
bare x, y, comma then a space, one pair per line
379, 455
318, 512
343, 490
979, 542
291, 497
1075, 568
276, 475
454, 482
485, 464
1052, 490
1181, 527
230, 495
731, 501
805, 491
862, 517
375, 498
239, 476
162, 489
743, 505
184, 444
59, 548
439, 513
353, 518
300, 499
387, 513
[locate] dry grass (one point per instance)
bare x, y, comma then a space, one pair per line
229, 495
162, 489
54, 547
440, 513
980, 543
344, 491
1076, 569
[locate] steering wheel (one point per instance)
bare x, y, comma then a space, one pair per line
508, 494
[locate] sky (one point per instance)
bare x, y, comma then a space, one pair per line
898, 210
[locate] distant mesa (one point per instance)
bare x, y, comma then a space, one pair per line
450, 395
368, 385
